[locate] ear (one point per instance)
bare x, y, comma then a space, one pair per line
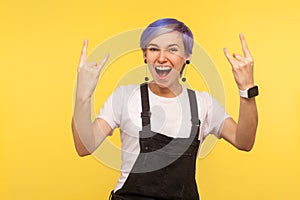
189, 57
144, 54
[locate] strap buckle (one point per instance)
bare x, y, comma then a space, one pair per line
196, 122
145, 114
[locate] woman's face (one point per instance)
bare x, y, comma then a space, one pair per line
165, 57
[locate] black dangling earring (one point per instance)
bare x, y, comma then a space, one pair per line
183, 79
146, 77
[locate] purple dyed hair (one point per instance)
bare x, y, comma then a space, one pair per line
166, 25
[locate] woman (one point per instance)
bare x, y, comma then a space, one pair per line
162, 123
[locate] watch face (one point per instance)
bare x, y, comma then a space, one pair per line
252, 92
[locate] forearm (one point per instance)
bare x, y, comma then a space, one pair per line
82, 128
247, 124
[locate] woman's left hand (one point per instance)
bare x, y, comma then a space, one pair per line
242, 66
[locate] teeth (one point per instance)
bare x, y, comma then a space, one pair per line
163, 68
163, 71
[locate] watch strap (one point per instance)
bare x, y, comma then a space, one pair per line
245, 93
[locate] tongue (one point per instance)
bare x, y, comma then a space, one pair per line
163, 73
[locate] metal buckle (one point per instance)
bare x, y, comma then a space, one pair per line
146, 114
196, 123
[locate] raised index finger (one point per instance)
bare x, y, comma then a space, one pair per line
83, 53
245, 46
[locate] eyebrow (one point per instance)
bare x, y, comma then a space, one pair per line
158, 46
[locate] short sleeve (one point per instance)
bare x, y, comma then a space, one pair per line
112, 109
213, 115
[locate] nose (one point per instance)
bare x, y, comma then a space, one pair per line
162, 57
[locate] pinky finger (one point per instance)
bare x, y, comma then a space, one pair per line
104, 60
231, 61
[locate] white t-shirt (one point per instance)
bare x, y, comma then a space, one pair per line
169, 116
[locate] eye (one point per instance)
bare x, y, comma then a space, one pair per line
173, 50
153, 49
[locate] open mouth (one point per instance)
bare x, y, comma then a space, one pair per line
162, 71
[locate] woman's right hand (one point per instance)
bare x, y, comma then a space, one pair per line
88, 74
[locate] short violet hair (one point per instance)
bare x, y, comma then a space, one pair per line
167, 25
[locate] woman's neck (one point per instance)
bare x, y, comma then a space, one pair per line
167, 92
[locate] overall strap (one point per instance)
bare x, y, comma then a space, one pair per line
145, 114
194, 111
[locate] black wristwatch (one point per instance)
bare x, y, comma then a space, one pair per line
250, 92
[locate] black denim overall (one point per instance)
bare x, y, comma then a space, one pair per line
165, 167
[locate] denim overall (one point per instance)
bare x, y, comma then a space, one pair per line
165, 167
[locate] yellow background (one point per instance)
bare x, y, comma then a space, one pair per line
40, 46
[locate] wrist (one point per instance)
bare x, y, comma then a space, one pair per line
246, 86
249, 92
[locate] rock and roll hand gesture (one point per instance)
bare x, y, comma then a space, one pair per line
88, 74
242, 66
242, 134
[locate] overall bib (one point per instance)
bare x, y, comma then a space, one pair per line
165, 166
